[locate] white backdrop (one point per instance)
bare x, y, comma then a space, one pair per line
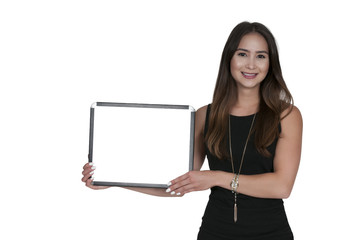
58, 57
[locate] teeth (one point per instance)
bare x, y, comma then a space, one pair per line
249, 74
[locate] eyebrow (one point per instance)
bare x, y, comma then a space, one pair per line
246, 50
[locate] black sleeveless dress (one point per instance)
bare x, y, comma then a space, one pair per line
258, 218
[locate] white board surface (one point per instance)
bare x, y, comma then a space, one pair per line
141, 145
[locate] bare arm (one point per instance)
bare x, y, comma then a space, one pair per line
199, 155
277, 184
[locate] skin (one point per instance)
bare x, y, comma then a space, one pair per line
249, 66
251, 58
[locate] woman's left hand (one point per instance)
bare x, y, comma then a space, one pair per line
192, 181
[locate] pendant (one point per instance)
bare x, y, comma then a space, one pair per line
235, 208
235, 212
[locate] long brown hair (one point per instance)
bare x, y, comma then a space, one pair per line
274, 96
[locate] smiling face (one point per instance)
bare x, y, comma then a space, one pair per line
250, 63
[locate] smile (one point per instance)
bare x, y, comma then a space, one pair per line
249, 75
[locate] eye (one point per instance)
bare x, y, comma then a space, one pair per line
261, 56
242, 54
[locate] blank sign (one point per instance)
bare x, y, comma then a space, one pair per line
140, 145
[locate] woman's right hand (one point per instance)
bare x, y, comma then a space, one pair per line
88, 171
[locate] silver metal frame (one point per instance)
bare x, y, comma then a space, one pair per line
140, 105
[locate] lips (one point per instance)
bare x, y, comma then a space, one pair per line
249, 75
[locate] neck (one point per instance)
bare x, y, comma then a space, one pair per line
247, 102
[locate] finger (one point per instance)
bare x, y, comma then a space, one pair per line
190, 187
88, 173
183, 190
179, 187
89, 183
89, 164
86, 177
178, 194
88, 170
181, 184
178, 179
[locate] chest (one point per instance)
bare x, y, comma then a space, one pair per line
254, 162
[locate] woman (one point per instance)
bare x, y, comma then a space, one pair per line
251, 135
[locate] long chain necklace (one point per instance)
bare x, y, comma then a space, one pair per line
234, 183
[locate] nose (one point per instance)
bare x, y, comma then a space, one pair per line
251, 63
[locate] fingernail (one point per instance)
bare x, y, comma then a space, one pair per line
91, 173
168, 190
93, 167
178, 194
172, 193
170, 183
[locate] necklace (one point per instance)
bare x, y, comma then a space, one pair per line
234, 183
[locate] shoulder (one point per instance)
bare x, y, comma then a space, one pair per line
202, 111
291, 113
291, 121
201, 117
